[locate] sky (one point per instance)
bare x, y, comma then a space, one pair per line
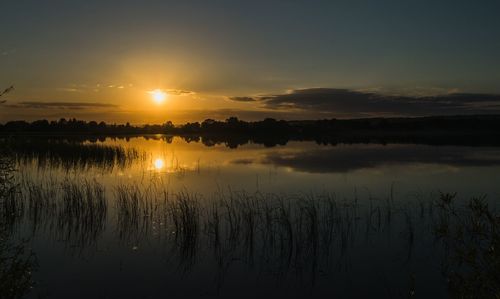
100, 60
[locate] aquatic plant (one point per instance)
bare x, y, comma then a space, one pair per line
69, 154
16, 263
11, 209
306, 235
16, 267
471, 236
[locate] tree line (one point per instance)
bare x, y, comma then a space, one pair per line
474, 129
485, 123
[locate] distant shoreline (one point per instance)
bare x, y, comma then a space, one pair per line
476, 130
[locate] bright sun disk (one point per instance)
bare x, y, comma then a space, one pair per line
158, 96
159, 164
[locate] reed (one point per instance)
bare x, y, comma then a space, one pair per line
134, 209
70, 154
16, 262
278, 233
11, 209
82, 212
17, 265
73, 211
471, 237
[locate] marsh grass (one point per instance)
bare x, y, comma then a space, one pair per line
41, 203
470, 234
304, 235
70, 155
72, 211
82, 212
284, 233
16, 262
16, 267
134, 208
11, 209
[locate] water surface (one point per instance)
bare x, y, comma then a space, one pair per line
361, 216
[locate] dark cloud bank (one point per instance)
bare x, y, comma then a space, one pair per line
357, 103
243, 99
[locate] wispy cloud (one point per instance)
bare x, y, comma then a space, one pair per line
6, 52
180, 92
84, 88
242, 99
60, 105
70, 89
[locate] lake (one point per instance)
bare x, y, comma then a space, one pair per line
133, 217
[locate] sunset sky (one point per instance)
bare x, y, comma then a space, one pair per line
152, 61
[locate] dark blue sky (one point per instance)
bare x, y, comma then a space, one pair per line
235, 48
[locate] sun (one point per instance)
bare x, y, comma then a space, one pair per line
158, 96
159, 164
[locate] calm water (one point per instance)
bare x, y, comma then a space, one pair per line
366, 169
382, 246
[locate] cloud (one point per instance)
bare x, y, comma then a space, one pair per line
7, 52
347, 102
70, 89
85, 88
60, 105
242, 99
180, 92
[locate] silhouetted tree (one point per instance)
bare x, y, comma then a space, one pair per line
168, 126
233, 132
